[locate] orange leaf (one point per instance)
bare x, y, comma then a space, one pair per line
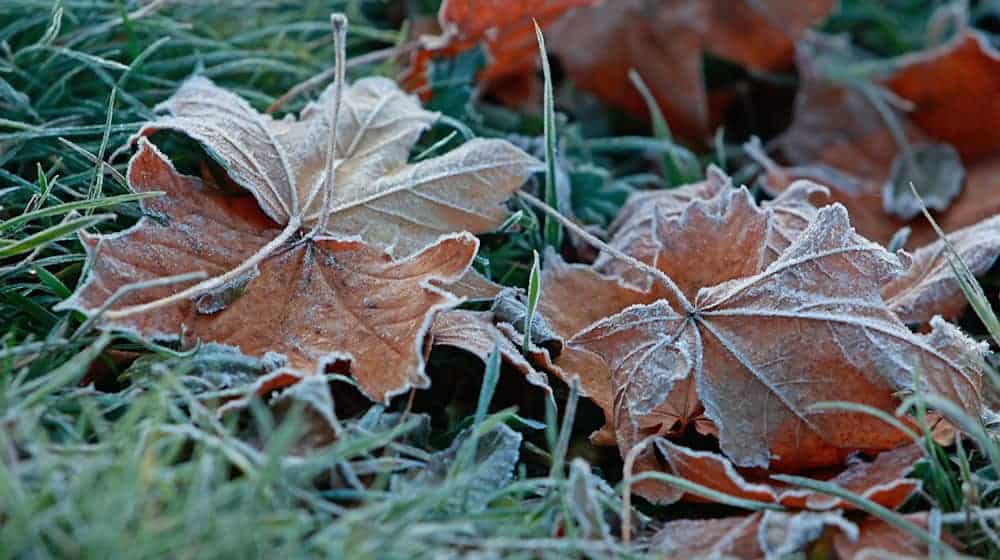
312, 303
953, 89
664, 42
881, 481
505, 27
475, 332
764, 347
768, 534
929, 286
878, 539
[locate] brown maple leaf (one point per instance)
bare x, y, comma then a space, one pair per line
575, 296
768, 534
765, 344
878, 539
664, 42
840, 139
314, 302
367, 190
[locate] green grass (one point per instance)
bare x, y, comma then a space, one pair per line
100, 460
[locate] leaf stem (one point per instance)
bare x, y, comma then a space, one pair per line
264, 252
327, 182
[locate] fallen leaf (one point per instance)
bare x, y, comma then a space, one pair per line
952, 88
374, 194
573, 297
475, 332
313, 302
878, 539
935, 167
882, 481
835, 126
634, 232
768, 534
510, 306
929, 286
840, 140
976, 202
664, 41
505, 27
810, 327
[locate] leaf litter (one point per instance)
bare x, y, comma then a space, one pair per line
707, 311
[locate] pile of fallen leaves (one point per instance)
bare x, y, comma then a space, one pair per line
721, 335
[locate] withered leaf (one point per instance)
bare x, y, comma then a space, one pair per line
678, 217
763, 348
475, 332
929, 287
575, 296
505, 26
635, 231
952, 88
313, 302
840, 139
882, 481
768, 534
664, 42
878, 539
373, 193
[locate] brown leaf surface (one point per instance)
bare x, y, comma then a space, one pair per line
929, 287
977, 201
664, 42
764, 348
881, 481
475, 332
953, 89
878, 539
768, 534
839, 139
505, 28
314, 302
635, 231
374, 194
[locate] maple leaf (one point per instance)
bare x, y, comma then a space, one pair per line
575, 296
929, 286
809, 327
313, 301
367, 190
839, 138
664, 42
882, 481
